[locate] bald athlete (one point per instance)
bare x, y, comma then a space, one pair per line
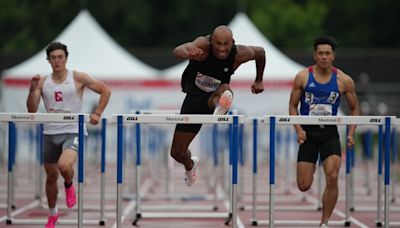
212, 61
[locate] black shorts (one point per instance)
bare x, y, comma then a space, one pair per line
320, 140
194, 104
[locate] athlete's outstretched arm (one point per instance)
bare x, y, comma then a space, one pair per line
247, 53
192, 50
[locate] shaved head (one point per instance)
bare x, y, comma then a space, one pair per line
221, 41
223, 31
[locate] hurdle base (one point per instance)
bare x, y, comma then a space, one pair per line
254, 222
347, 223
44, 221
9, 222
102, 222
215, 208
228, 219
378, 224
302, 223
138, 216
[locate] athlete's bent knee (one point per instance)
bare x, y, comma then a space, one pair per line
64, 167
303, 186
177, 154
332, 179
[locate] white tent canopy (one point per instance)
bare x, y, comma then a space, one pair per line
278, 66
91, 50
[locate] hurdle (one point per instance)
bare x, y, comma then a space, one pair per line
254, 207
378, 208
80, 119
168, 190
174, 119
272, 121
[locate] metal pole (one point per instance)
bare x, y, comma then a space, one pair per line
254, 193
120, 137
271, 170
387, 171
235, 137
348, 179
81, 168
380, 148
138, 163
103, 170
215, 158
11, 142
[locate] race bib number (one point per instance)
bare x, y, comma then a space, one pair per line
309, 98
320, 110
333, 96
207, 83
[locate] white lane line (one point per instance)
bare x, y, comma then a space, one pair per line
21, 210
314, 200
221, 194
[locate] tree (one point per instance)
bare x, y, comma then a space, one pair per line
288, 23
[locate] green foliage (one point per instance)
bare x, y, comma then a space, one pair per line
287, 23
28, 25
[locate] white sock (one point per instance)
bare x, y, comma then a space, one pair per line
53, 211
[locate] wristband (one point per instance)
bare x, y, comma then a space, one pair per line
96, 113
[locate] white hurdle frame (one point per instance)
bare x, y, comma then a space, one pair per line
380, 179
255, 122
326, 120
168, 191
81, 119
175, 119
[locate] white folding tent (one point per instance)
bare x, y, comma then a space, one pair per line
94, 52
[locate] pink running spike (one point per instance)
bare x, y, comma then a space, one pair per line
51, 221
70, 198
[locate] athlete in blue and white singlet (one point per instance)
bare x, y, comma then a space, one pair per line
318, 89
320, 99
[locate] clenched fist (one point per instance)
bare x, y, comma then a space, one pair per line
257, 87
34, 85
